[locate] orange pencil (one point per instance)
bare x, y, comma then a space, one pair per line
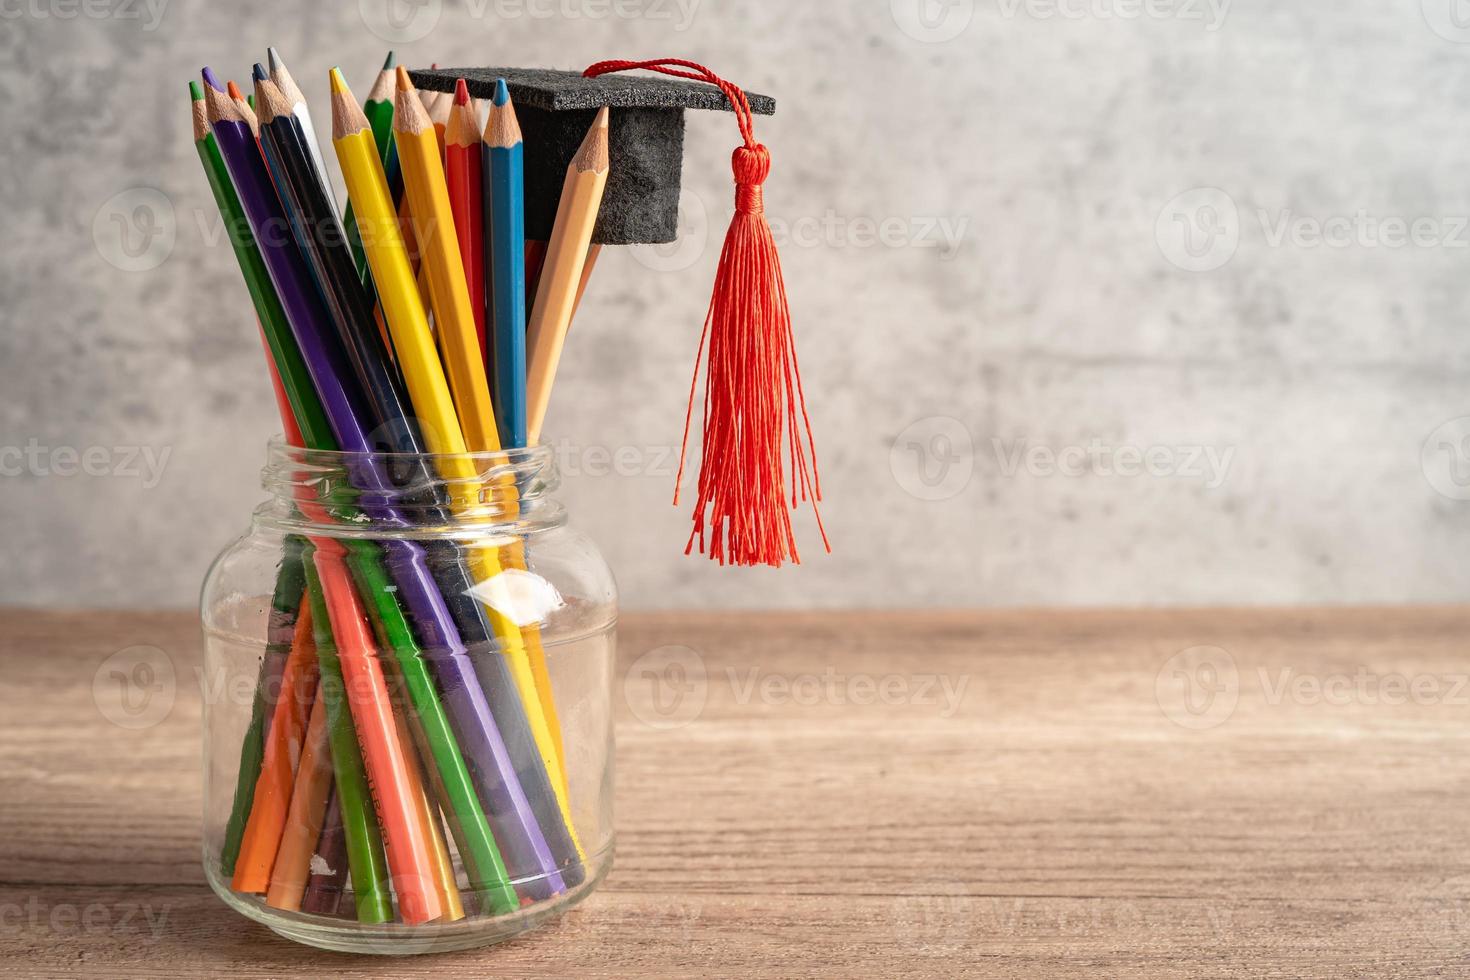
304, 819
444, 882
283, 747
406, 839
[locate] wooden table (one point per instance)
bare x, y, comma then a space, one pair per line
1090, 802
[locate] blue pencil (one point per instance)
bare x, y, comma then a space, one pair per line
505, 264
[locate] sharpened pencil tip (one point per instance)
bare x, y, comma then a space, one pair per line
259, 73
211, 79
195, 92
234, 91
405, 84
601, 121
274, 57
339, 84
502, 94
389, 61
461, 92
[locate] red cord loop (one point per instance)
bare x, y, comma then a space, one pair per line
696, 73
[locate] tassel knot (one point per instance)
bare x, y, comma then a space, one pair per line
752, 165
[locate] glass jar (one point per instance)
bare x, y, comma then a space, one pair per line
407, 722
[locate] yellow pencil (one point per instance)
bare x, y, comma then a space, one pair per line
433, 224
561, 273
387, 257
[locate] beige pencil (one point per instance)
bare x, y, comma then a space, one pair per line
561, 273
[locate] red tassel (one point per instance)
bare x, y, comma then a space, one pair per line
753, 391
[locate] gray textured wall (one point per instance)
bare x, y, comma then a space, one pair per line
1100, 301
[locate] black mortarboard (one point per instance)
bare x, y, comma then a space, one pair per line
641, 202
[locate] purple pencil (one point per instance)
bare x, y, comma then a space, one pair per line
329, 863
489, 768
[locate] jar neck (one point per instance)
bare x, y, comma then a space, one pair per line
383, 495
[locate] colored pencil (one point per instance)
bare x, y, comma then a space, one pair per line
566, 253
444, 883
282, 79
462, 169
505, 261
535, 256
593, 251
328, 861
376, 108
409, 849
428, 388
304, 818
454, 319
436, 106
283, 746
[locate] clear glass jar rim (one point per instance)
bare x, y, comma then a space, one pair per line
419, 494
280, 451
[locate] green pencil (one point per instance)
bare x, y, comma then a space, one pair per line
379, 109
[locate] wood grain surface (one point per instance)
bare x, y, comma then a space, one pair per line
1017, 794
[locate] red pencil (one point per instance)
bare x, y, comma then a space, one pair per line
462, 170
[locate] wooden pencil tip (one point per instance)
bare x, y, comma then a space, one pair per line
592, 154
234, 91
198, 111
267, 95
274, 57
461, 92
258, 72
211, 79
389, 62
405, 84
502, 94
339, 84
347, 116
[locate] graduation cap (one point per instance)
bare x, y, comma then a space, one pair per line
755, 412
640, 204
